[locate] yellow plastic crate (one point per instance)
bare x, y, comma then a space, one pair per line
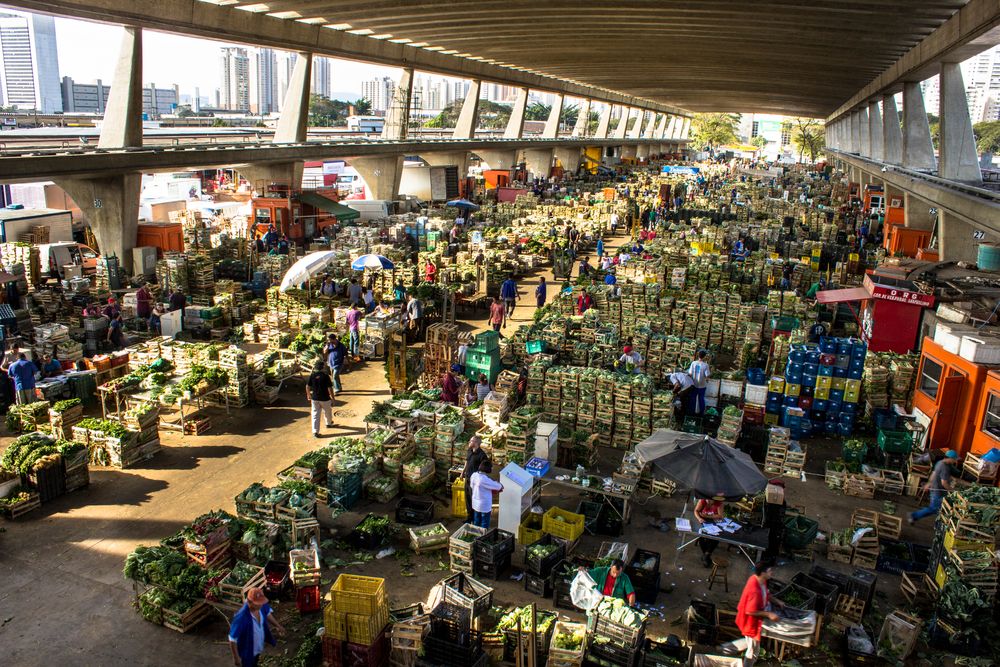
335, 622
530, 530
458, 498
958, 544
354, 594
839, 383
792, 389
822, 393
852, 386
560, 523
852, 396
776, 384
771, 419
824, 382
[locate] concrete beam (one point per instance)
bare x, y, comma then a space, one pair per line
957, 143
892, 132
603, 123
630, 151
110, 205
551, 130
918, 151
468, 118
971, 30
582, 120
220, 21
875, 132
293, 123
122, 127
458, 159
497, 159
397, 118
515, 125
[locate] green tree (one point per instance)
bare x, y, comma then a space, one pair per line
363, 106
935, 125
219, 122
537, 111
715, 129
808, 137
987, 136
760, 142
492, 115
324, 112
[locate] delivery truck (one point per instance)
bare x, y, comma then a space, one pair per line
52, 225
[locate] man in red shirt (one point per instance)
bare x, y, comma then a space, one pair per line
584, 302
753, 609
498, 314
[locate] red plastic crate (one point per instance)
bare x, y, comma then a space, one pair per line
333, 652
338, 653
308, 599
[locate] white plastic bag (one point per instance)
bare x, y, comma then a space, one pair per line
583, 592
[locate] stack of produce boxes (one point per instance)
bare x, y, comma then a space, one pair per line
822, 388
355, 620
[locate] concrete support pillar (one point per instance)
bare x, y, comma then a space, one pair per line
642, 151
956, 237
468, 118
661, 126
875, 132
636, 131
569, 157
685, 129
865, 133
515, 126
538, 162
918, 151
619, 132
397, 118
582, 120
674, 127
294, 119
855, 133
647, 131
604, 123
381, 174
629, 151
892, 133
122, 127
110, 205
551, 130
957, 143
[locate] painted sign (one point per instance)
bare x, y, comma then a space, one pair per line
676, 169
898, 295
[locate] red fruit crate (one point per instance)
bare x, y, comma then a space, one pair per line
308, 599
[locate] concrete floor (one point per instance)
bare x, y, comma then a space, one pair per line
61, 568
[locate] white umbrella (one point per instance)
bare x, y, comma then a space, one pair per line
307, 267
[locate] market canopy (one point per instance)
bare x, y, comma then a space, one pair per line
463, 203
372, 262
843, 295
702, 464
307, 267
341, 212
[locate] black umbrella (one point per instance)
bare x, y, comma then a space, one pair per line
702, 464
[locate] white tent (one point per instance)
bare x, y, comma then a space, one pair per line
307, 267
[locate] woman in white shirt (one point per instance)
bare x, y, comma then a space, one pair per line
482, 488
483, 387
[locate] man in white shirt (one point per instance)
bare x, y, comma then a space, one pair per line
482, 488
631, 360
683, 387
699, 372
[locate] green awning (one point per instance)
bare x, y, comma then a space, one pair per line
343, 213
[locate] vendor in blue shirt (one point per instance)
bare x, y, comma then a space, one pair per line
51, 366
251, 627
610, 279
22, 372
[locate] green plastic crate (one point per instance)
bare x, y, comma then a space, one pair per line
534, 346
800, 531
895, 442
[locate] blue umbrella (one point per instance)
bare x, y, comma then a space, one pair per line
372, 262
463, 203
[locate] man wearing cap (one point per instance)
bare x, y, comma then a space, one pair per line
449, 385
942, 481
251, 627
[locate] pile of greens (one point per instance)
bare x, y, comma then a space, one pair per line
541, 551
107, 427
63, 406
986, 497
618, 611
569, 641
961, 604
22, 418
19, 495
375, 524
258, 493
432, 531
208, 523
29, 452
543, 620
163, 567
315, 460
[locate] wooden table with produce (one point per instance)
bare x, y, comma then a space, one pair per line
596, 487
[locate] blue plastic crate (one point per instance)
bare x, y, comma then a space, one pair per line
846, 418
827, 345
793, 367
793, 378
810, 368
807, 391
756, 376
537, 467
839, 372
831, 427
845, 430
837, 395
844, 346
812, 357
773, 409
792, 401
817, 415
855, 373
825, 371
808, 380
774, 396
834, 406
849, 408
820, 404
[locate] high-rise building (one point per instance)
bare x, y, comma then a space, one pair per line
235, 79
29, 62
263, 82
93, 98
285, 63
379, 92
321, 72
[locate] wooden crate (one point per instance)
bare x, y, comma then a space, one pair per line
889, 526
305, 567
216, 556
918, 588
890, 482
863, 517
834, 478
847, 612
898, 636
427, 543
839, 554
230, 595
305, 529
408, 635
562, 657
14, 512
187, 621
859, 486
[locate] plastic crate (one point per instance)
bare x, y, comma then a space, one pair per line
562, 524
800, 531
415, 511
464, 591
538, 585
493, 546
493, 570
615, 633
895, 442
439, 651
530, 530
369, 541
458, 507
542, 567
702, 622
826, 593
355, 594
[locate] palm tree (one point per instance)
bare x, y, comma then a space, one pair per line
715, 129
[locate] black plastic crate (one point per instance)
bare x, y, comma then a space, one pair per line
611, 653
896, 561
562, 578
562, 600
537, 585
366, 540
591, 511
453, 623
861, 584
492, 570
493, 546
438, 651
833, 577
542, 567
826, 593
646, 591
609, 523
414, 511
644, 567
705, 630
669, 652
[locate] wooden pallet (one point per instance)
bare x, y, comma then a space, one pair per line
847, 611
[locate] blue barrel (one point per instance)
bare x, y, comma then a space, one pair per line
989, 257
